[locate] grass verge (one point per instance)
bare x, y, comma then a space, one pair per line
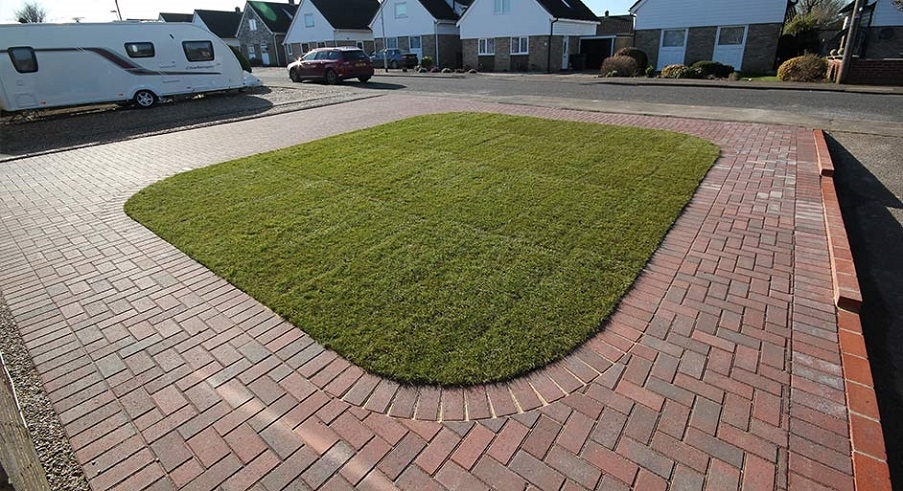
448, 249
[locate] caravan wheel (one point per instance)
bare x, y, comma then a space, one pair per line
145, 99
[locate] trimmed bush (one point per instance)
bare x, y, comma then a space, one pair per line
713, 69
427, 62
680, 71
242, 59
619, 66
637, 54
806, 68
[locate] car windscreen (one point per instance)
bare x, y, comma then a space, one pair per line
311, 55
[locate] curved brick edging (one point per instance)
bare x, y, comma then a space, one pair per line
870, 470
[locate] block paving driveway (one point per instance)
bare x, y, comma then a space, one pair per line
720, 370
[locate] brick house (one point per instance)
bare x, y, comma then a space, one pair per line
329, 23
422, 27
524, 35
878, 50
222, 23
262, 30
740, 33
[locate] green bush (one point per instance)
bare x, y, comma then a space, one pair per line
713, 69
427, 62
637, 54
245, 64
619, 66
680, 71
806, 68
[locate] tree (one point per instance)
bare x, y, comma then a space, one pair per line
824, 12
31, 12
898, 4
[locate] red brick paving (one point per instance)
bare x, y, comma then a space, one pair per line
723, 368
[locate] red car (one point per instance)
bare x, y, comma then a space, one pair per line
332, 65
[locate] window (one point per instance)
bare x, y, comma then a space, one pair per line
392, 43
252, 24
731, 36
401, 10
308, 20
140, 50
414, 42
486, 46
23, 59
252, 54
288, 50
198, 50
305, 47
502, 6
359, 44
519, 46
674, 38
310, 56
321, 44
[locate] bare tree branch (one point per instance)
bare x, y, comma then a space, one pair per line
31, 12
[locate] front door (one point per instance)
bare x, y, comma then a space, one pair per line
416, 47
565, 54
265, 54
730, 42
673, 48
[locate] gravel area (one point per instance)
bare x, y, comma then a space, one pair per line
53, 449
23, 135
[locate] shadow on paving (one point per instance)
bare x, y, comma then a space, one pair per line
55, 130
876, 239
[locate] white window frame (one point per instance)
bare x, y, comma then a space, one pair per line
392, 43
308, 20
288, 50
411, 43
252, 24
520, 45
501, 7
252, 53
742, 40
485, 46
401, 10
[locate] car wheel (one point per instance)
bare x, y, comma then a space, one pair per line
393, 64
363, 79
293, 74
145, 99
331, 77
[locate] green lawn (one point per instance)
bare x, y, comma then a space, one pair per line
449, 249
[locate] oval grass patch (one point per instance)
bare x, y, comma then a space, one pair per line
448, 249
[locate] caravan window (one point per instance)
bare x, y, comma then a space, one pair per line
140, 50
198, 50
23, 59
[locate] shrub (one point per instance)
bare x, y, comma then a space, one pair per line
242, 59
619, 66
680, 71
650, 71
637, 54
427, 62
713, 69
806, 68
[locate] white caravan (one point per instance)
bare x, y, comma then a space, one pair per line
54, 65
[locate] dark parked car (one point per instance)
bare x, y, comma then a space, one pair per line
395, 58
332, 65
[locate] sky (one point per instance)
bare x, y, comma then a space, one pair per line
105, 10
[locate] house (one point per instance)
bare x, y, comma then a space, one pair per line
322, 23
878, 48
222, 23
740, 33
522, 35
174, 17
422, 27
613, 33
262, 31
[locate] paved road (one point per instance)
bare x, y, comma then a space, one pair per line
855, 112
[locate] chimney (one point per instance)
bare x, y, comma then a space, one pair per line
606, 13
291, 2
238, 9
